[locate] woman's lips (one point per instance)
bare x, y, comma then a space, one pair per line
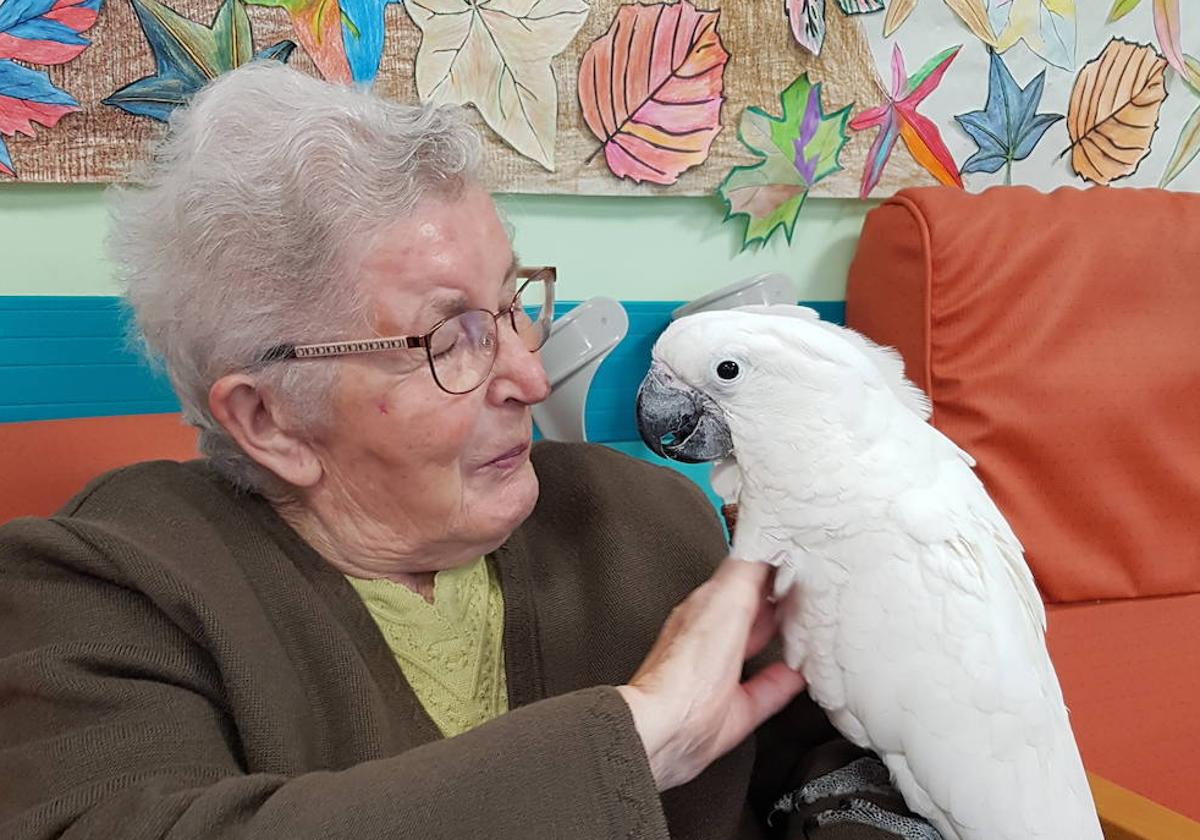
511, 458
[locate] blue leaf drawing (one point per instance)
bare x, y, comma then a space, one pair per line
187, 54
1009, 127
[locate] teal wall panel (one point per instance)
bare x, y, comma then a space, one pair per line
65, 356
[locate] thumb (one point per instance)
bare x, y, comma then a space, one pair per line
768, 691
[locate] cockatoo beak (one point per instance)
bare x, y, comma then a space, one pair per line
678, 422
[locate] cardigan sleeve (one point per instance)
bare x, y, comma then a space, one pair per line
113, 725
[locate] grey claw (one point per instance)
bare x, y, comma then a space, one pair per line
864, 775
862, 812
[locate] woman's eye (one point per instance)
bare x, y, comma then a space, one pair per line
443, 350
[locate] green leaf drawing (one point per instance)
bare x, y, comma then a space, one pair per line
1121, 8
798, 149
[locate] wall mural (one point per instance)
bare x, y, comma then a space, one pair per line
761, 103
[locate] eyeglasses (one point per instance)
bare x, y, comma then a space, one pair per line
461, 350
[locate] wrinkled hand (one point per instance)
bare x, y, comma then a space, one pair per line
688, 700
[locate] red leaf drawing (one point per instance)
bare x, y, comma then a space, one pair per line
651, 90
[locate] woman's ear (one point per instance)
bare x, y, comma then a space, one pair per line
255, 422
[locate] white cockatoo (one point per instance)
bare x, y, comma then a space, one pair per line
904, 595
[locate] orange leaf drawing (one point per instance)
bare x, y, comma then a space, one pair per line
651, 90
1114, 110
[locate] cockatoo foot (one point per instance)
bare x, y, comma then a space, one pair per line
862, 812
845, 786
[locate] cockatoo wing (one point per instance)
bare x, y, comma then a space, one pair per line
933, 655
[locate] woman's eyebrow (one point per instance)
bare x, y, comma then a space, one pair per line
445, 305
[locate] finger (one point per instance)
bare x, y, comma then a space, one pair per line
768, 691
764, 628
742, 579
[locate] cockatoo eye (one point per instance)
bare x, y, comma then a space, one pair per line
728, 370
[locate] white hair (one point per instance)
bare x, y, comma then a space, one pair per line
240, 233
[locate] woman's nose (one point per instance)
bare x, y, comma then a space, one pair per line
518, 374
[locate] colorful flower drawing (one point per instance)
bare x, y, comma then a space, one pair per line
37, 32
898, 118
188, 54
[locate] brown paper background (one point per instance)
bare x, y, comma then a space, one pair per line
98, 143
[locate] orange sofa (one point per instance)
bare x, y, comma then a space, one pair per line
46, 462
1059, 339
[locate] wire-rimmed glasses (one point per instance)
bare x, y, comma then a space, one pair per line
461, 350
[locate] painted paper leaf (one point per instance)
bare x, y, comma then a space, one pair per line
496, 56
26, 97
1121, 8
1114, 110
363, 36
187, 55
37, 32
1009, 127
1046, 26
651, 90
807, 19
1186, 148
45, 31
860, 7
897, 118
975, 15
798, 149
1167, 27
318, 28
897, 12
971, 12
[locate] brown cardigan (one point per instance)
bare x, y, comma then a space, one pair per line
176, 662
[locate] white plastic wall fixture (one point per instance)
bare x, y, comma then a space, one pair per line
579, 341
758, 289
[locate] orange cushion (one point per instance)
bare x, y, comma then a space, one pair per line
45, 463
1130, 672
1057, 336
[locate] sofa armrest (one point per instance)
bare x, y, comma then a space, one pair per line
1125, 815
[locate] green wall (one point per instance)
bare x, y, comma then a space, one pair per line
669, 248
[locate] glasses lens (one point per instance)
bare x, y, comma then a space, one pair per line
533, 310
462, 351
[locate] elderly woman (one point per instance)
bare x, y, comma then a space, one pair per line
374, 610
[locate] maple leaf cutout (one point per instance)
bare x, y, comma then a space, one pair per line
798, 149
495, 55
1009, 127
187, 55
898, 118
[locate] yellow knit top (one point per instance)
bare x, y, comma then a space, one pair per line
451, 650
